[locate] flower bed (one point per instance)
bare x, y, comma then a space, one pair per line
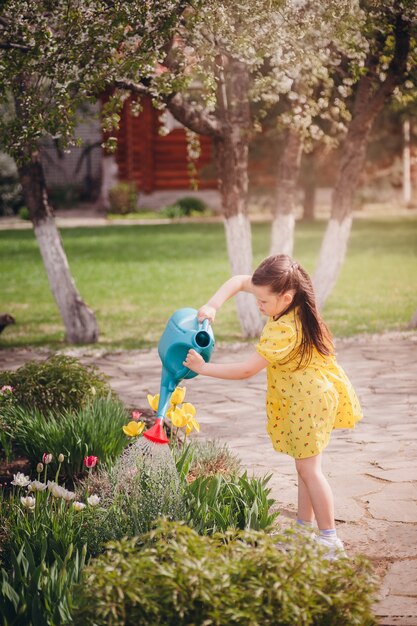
185, 523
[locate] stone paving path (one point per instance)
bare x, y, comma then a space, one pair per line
372, 469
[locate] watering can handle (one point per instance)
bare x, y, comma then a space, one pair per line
205, 324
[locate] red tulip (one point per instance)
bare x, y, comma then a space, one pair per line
90, 461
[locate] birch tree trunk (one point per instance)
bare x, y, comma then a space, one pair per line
80, 322
371, 95
232, 163
283, 223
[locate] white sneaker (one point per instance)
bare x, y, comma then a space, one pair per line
334, 548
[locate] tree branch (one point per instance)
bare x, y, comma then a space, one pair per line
193, 116
398, 64
6, 45
129, 85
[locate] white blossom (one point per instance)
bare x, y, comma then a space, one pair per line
68, 495
28, 502
78, 506
36, 485
20, 480
93, 500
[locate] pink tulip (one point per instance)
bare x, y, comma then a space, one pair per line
46, 458
136, 415
90, 461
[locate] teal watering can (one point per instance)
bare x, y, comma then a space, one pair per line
183, 332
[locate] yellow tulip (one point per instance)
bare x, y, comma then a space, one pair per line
178, 395
178, 418
189, 408
153, 401
133, 429
192, 423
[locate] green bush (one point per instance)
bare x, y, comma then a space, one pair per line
174, 577
94, 429
140, 488
172, 211
32, 593
218, 503
60, 383
123, 198
65, 196
185, 207
11, 198
210, 458
191, 204
24, 213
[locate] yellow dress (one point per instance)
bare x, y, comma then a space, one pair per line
303, 405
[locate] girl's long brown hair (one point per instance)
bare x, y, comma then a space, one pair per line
281, 273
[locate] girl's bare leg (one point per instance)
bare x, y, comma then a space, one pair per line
318, 489
305, 508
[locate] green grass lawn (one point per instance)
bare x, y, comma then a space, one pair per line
135, 277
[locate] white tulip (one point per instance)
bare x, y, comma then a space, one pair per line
36, 485
68, 495
28, 502
20, 480
78, 506
93, 500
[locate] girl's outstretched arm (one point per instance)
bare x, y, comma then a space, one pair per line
232, 371
241, 282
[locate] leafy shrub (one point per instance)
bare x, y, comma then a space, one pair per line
185, 207
174, 577
191, 204
60, 383
172, 211
95, 428
140, 488
210, 458
218, 503
11, 198
24, 213
123, 198
31, 593
65, 196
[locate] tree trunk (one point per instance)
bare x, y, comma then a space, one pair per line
80, 322
232, 163
336, 237
371, 95
407, 188
282, 233
309, 185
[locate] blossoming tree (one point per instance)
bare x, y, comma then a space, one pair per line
232, 55
55, 56
389, 69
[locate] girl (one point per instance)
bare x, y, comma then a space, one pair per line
308, 393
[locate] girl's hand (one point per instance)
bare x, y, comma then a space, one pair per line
194, 361
206, 312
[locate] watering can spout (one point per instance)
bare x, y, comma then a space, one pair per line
166, 390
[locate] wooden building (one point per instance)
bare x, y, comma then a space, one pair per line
158, 162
